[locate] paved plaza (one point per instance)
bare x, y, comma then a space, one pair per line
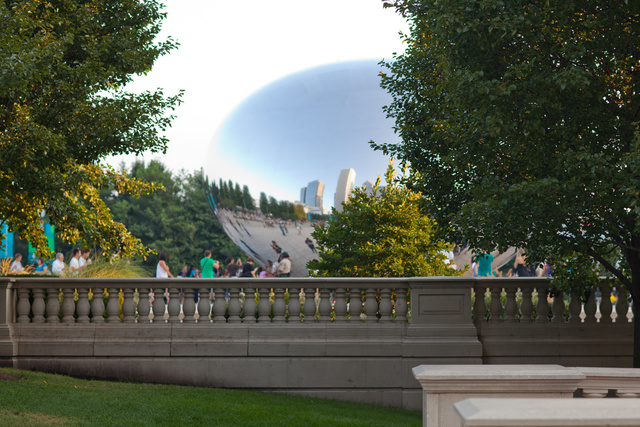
254, 234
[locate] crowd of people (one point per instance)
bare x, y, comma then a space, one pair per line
231, 268
78, 261
482, 267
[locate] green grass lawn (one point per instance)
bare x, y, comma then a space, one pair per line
55, 400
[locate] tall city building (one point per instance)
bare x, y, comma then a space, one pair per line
346, 182
313, 194
368, 187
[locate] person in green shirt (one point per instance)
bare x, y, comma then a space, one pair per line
208, 265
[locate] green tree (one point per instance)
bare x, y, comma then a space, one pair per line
264, 203
63, 110
383, 234
520, 121
177, 221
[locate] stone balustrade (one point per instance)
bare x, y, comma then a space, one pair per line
528, 300
609, 382
512, 412
341, 338
48, 300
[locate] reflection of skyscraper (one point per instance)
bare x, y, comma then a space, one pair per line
346, 181
313, 194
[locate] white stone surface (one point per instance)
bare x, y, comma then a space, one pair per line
484, 412
447, 384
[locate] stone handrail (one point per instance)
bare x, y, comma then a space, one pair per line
51, 300
518, 300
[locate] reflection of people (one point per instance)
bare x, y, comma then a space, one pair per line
484, 264
284, 266
309, 243
16, 265
58, 265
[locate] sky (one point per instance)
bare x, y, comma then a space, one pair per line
229, 50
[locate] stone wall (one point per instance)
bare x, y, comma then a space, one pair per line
323, 345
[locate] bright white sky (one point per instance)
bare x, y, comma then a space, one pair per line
230, 49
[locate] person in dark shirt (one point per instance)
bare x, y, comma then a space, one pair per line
247, 268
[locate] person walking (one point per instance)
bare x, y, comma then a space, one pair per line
284, 266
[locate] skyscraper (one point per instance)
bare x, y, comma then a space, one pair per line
346, 181
313, 194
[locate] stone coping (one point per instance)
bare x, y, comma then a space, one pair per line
509, 412
497, 378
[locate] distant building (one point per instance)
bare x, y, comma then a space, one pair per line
368, 187
311, 197
346, 182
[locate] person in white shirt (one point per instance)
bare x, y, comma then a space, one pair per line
84, 258
16, 265
74, 264
58, 265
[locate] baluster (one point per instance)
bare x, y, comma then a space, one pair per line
219, 306
480, 305
68, 306
250, 305
590, 307
370, 306
324, 306
204, 306
234, 305
264, 306
38, 307
557, 308
340, 306
355, 305
294, 305
279, 307
144, 306
189, 306
173, 306
83, 308
401, 305
495, 306
510, 306
128, 306
385, 305
622, 306
526, 307
606, 308
309, 307
24, 306
542, 307
158, 306
628, 393
575, 308
53, 306
113, 307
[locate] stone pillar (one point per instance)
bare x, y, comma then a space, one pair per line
6, 317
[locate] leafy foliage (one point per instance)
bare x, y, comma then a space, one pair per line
520, 120
383, 234
63, 110
177, 220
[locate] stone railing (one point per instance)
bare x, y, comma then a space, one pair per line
353, 339
527, 300
47, 300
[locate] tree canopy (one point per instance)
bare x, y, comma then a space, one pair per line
380, 234
177, 221
520, 122
63, 66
